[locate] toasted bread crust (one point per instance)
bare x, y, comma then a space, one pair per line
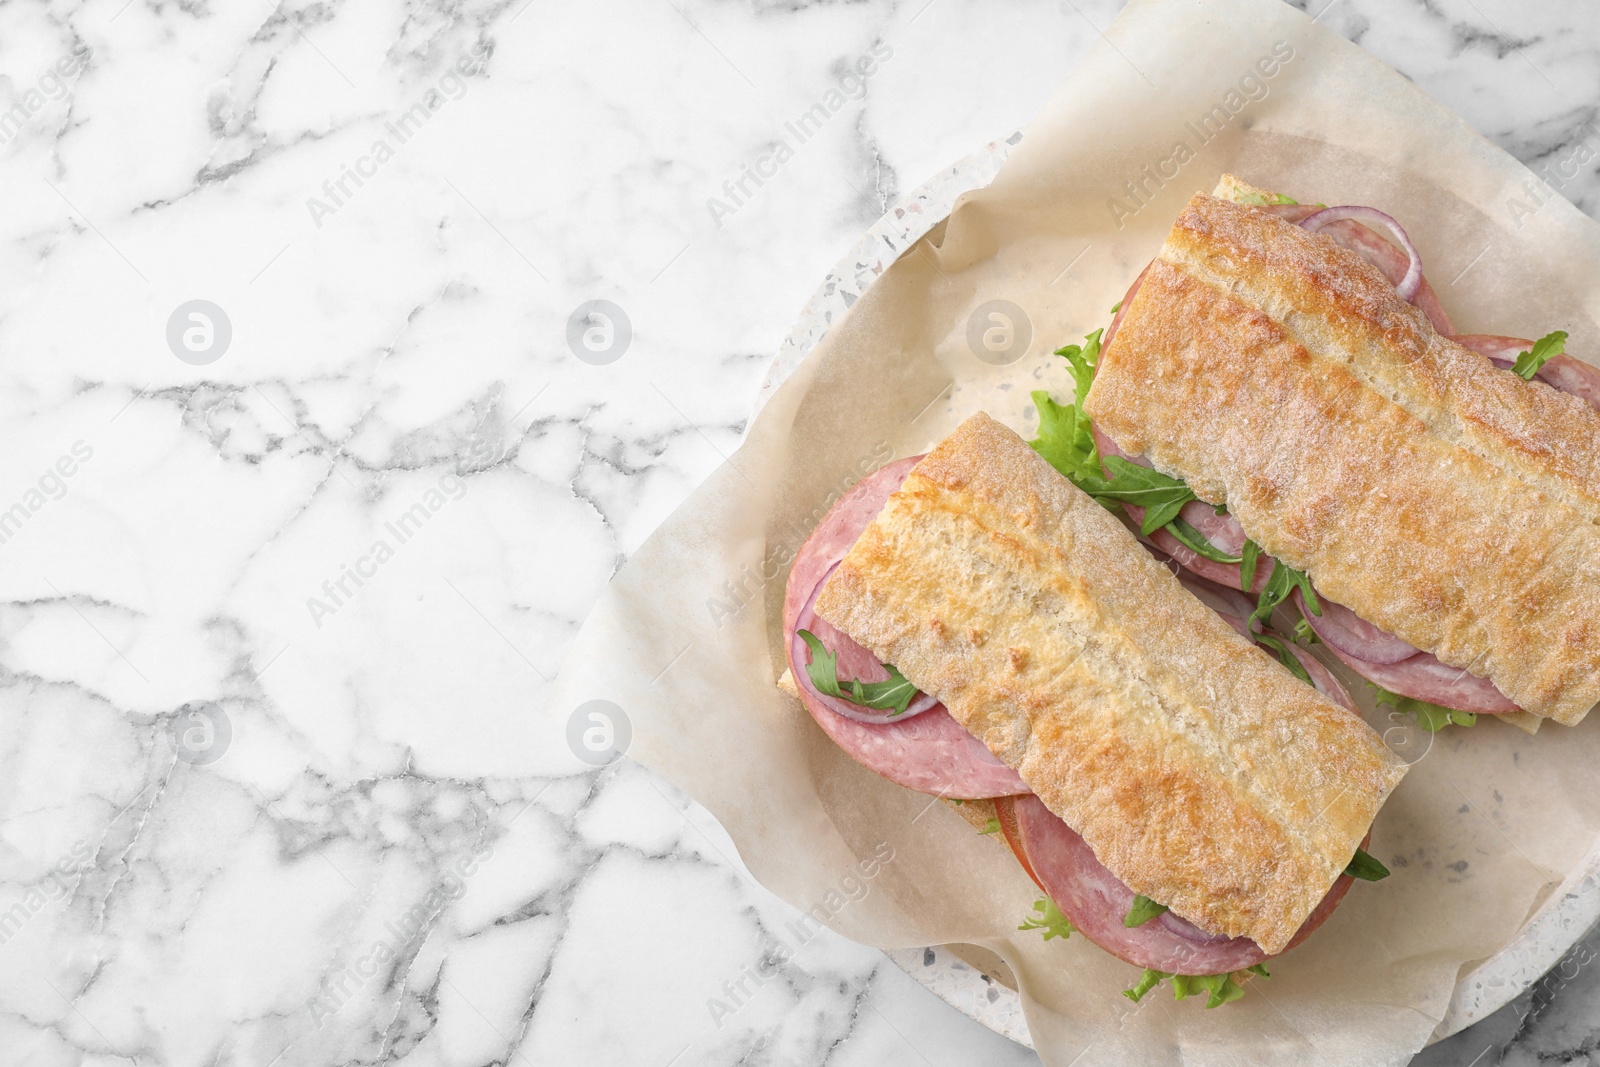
1199, 770
1437, 496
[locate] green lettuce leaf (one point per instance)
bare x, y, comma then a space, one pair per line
1143, 910
893, 692
1066, 441
1220, 989
1049, 919
991, 827
1431, 717
1544, 349
1065, 438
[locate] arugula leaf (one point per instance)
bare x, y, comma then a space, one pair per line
1544, 349
1066, 441
1143, 910
1304, 635
1049, 919
1365, 867
1285, 657
1220, 988
1284, 580
1116, 307
1249, 555
1196, 542
893, 692
1161, 495
1431, 717
991, 827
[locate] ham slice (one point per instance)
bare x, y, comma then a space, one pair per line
1096, 901
928, 752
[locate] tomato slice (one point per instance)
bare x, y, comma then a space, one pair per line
1005, 809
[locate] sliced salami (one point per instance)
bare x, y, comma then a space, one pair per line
1239, 609
1375, 249
838, 530
1343, 630
928, 752
1425, 677
1096, 902
1566, 373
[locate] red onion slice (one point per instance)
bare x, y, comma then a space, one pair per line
1370, 246
1411, 282
854, 661
1344, 631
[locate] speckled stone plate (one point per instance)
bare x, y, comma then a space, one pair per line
976, 982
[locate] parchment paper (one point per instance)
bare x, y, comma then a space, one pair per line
686, 640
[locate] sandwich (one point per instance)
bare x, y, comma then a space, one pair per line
1282, 405
971, 625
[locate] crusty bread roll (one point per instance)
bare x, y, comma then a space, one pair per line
1440, 498
1200, 771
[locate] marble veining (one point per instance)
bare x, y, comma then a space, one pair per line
281, 585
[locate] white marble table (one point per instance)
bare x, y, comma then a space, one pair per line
281, 585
